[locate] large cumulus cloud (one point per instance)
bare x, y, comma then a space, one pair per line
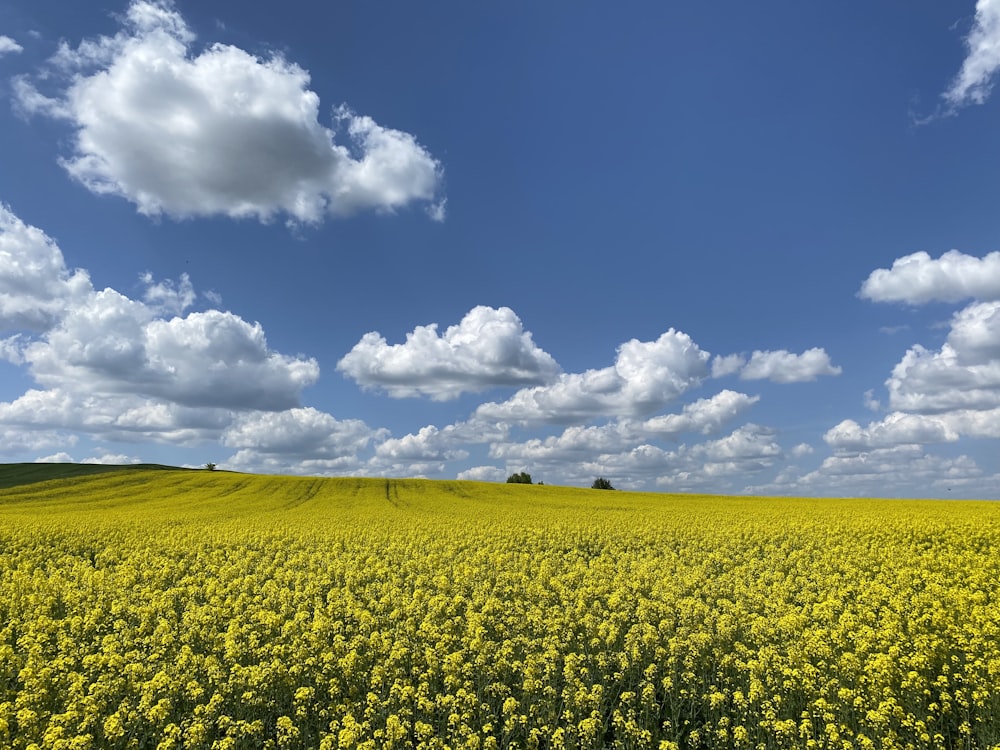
918, 278
119, 367
963, 374
219, 131
35, 285
646, 375
488, 348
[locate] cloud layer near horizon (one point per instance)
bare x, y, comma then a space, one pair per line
220, 131
115, 366
488, 348
165, 367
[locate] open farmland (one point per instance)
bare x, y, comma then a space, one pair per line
165, 609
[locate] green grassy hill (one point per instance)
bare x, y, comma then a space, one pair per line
12, 475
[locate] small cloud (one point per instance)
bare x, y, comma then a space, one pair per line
727, 365
483, 474
488, 348
871, 403
123, 368
706, 415
11, 349
36, 288
917, 279
56, 458
963, 374
437, 211
896, 429
301, 432
167, 297
785, 367
802, 449
112, 459
8, 46
974, 81
646, 375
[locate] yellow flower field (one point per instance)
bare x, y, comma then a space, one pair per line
196, 609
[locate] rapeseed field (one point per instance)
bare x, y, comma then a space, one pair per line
196, 609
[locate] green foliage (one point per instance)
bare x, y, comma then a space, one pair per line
601, 484
210, 466
519, 478
12, 475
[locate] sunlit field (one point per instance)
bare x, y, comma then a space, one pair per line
194, 609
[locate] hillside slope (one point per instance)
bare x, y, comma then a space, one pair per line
12, 475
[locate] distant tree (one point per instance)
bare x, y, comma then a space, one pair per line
601, 484
210, 466
522, 477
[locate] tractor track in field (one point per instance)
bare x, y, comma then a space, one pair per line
392, 494
309, 492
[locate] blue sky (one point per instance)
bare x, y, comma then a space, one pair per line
713, 248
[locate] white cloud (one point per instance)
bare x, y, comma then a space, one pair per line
725, 463
299, 441
779, 366
871, 403
62, 457
14, 441
581, 453
801, 450
220, 131
301, 432
488, 348
431, 443
727, 365
963, 374
917, 279
438, 211
576, 443
10, 349
704, 415
9, 46
165, 296
483, 474
111, 459
895, 429
428, 444
113, 345
29, 101
901, 428
937, 396
121, 369
975, 80
412, 469
646, 375
266, 463
432, 446
784, 367
35, 285
749, 443
121, 418
894, 471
